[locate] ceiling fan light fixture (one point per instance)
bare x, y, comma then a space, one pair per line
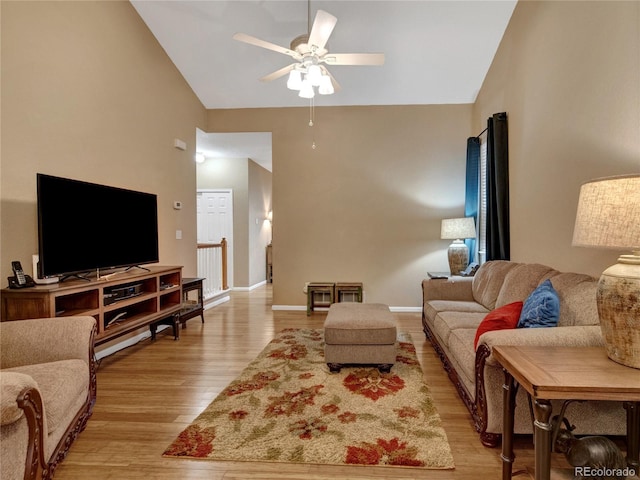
306, 90
295, 80
325, 87
314, 74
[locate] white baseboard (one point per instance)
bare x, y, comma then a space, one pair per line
216, 301
252, 287
289, 307
116, 347
406, 309
324, 309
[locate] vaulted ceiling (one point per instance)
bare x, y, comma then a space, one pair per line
436, 52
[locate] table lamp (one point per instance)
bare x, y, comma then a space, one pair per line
456, 229
608, 216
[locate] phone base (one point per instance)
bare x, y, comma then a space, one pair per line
46, 281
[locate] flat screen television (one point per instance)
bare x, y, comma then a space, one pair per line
85, 227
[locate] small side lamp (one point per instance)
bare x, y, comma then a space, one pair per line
456, 229
608, 216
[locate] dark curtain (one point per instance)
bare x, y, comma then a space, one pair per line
498, 243
472, 191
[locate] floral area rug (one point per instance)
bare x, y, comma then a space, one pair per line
287, 407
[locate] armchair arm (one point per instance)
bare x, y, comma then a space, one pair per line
25, 342
574, 336
12, 384
453, 288
20, 400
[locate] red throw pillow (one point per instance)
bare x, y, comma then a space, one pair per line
502, 318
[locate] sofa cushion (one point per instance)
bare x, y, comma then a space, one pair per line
542, 308
60, 384
433, 307
577, 293
521, 280
446, 322
502, 318
488, 281
461, 347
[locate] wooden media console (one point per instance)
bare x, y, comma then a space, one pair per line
122, 303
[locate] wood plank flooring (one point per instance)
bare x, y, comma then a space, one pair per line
149, 392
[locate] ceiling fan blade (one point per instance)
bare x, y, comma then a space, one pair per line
278, 73
354, 59
321, 29
243, 37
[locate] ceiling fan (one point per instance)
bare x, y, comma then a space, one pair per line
311, 56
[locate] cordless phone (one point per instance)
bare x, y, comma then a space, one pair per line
19, 279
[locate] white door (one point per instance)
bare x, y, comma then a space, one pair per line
215, 222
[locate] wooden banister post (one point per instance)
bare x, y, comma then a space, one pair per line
224, 263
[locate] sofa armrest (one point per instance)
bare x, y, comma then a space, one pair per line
574, 336
42, 340
453, 288
485, 364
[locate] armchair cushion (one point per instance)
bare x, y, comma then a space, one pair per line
60, 384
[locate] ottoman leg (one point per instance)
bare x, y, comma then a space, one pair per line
385, 367
334, 367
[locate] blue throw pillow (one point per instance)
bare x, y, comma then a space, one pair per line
541, 309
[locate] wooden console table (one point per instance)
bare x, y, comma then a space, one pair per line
564, 373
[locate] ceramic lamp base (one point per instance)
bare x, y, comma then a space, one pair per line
619, 310
458, 257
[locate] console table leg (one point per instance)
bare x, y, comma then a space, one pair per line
633, 434
510, 389
542, 438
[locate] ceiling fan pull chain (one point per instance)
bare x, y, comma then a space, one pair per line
311, 117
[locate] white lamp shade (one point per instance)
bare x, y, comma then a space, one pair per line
306, 91
314, 74
457, 228
295, 80
326, 87
608, 213
608, 216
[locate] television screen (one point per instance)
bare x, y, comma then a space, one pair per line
84, 226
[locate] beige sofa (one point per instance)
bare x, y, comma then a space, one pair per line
452, 310
48, 382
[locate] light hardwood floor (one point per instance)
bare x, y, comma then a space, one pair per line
149, 392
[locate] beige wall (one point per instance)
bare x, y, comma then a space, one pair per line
568, 75
251, 186
366, 204
260, 193
88, 93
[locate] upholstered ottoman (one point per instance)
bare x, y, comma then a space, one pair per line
360, 334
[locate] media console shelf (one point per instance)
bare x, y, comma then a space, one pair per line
121, 304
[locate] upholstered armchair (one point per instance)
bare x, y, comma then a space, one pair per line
48, 389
